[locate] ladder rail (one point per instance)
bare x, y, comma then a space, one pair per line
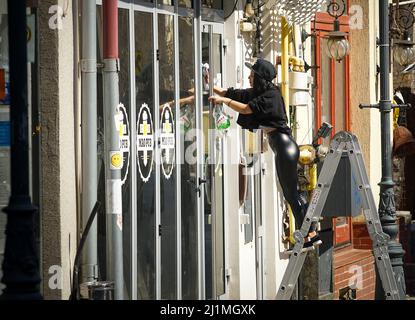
314, 210
343, 141
379, 238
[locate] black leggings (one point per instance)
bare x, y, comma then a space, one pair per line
286, 158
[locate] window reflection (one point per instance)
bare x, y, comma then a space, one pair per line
168, 188
213, 4
188, 160
146, 186
186, 3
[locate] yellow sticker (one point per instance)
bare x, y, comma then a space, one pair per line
116, 160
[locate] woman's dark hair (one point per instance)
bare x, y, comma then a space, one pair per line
261, 85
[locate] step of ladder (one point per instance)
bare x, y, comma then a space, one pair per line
342, 141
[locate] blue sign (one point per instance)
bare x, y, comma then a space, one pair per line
4, 133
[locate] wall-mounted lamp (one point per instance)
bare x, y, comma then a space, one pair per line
338, 46
403, 50
402, 22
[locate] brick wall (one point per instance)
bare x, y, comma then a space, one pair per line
354, 268
361, 239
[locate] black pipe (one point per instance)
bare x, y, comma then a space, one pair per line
75, 275
21, 263
387, 210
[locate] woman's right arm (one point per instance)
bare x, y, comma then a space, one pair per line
220, 91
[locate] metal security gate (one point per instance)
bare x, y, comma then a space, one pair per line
165, 192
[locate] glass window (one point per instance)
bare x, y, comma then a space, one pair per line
168, 188
325, 88
186, 3
213, 4
146, 176
125, 139
188, 161
5, 187
166, 2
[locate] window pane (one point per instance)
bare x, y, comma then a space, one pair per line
325, 87
168, 188
186, 3
212, 4
146, 182
166, 2
124, 89
5, 186
189, 154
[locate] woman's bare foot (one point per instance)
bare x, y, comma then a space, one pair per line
312, 234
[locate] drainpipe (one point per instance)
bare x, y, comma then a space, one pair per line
285, 91
21, 262
285, 44
113, 156
89, 137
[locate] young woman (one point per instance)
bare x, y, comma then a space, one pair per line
262, 107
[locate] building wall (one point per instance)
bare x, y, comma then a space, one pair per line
363, 60
241, 257
354, 269
58, 191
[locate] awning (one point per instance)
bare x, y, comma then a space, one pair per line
296, 11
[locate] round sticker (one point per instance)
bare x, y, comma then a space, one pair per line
116, 160
167, 141
124, 134
145, 142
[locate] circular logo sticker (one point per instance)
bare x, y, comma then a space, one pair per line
145, 142
167, 141
123, 125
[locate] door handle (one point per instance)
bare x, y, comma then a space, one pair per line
197, 186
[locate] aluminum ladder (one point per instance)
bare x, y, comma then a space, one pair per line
342, 141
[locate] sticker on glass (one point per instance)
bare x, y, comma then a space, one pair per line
123, 127
167, 141
145, 142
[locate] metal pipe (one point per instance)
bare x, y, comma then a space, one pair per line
113, 156
285, 92
387, 209
89, 137
21, 262
285, 43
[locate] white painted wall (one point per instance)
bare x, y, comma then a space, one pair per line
241, 257
67, 152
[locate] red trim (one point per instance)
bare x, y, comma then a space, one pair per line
333, 95
110, 13
318, 86
347, 93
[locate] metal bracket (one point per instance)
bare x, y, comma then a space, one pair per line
377, 106
88, 65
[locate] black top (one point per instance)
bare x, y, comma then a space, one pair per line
268, 109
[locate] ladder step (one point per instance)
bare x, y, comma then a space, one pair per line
343, 141
303, 250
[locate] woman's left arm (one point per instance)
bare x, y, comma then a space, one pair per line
235, 105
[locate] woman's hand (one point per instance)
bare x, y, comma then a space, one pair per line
220, 91
218, 99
